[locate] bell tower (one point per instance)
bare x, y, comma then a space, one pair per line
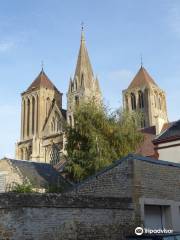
144, 95
37, 102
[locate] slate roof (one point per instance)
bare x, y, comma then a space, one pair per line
142, 78
42, 80
170, 134
39, 174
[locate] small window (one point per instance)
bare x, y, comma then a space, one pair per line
133, 101
77, 100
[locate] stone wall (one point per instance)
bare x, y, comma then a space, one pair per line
115, 181
53, 216
159, 181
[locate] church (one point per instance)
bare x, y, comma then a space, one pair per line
43, 119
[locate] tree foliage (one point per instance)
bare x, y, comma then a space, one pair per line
98, 138
22, 188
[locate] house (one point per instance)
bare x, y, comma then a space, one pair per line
39, 175
152, 185
167, 144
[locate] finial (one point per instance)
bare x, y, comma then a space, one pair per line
42, 65
141, 61
82, 31
82, 26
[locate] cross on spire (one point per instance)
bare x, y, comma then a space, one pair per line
141, 61
42, 65
82, 26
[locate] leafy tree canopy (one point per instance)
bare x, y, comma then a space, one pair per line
98, 138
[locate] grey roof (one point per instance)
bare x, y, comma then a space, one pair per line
128, 157
39, 174
173, 132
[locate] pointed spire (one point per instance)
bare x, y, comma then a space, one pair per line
83, 66
142, 78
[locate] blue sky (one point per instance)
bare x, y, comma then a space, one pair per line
117, 33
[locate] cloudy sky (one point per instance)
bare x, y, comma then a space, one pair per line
117, 33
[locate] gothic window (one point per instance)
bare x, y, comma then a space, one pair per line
28, 116
37, 113
159, 102
54, 154
126, 103
48, 104
21, 154
141, 99
24, 116
82, 79
70, 121
133, 101
33, 114
77, 100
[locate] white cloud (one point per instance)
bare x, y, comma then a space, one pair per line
6, 46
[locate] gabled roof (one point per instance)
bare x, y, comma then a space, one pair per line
142, 78
54, 107
42, 80
132, 157
170, 134
39, 174
83, 65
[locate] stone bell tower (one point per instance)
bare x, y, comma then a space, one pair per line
41, 110
84, 85
144, 95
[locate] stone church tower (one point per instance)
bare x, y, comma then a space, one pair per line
42, 119
84, 86
144, 95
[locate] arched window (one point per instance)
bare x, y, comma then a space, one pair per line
24, 116
70, 121
126, 103
141, 99
159, 102
28, 116
37, 114
21, 154
33, 114
82, 79
48, 104
77, 100
133, 101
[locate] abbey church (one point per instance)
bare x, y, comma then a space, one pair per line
43, 118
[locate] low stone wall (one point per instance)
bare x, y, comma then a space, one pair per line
55, 216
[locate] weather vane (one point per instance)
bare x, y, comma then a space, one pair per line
42, 64
141, 60
82, 25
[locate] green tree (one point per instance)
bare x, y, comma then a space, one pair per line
98, 138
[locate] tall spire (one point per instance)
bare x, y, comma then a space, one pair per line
83, 66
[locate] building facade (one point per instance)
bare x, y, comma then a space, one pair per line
42, 120
144, 95
167, 144
42, 116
